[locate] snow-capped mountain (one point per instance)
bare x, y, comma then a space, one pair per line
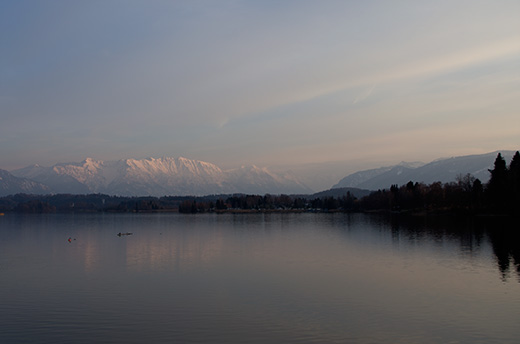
257, 180
443, 170
10, 185
158, 177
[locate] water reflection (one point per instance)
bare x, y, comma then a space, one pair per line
504, 235
163, 242
257, 278
468, 233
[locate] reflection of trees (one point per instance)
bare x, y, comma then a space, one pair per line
464, 230
503, 234
505, 240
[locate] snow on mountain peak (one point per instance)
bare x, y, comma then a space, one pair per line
159, 177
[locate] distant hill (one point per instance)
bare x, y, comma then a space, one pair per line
443, 170
10, 185
158, 177
340, 192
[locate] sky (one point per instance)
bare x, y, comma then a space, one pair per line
270, 83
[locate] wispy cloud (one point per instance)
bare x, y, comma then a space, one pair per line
364, 95
240, 80
456, 60
429, 67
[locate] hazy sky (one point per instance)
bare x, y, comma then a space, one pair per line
257, 82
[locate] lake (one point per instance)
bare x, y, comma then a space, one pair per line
257, 278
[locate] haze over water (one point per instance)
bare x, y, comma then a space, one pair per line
255, 278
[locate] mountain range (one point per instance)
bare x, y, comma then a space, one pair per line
441, 170
185, 177
153, 177
9, 184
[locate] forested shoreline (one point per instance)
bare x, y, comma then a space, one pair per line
466, 195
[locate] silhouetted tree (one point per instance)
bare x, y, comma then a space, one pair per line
330, 203
35, 206
220, 205
188, 206
465, 181
348, 202
497, 186
514, 180
477, 194
299, 203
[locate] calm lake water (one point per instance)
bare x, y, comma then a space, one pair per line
256, 278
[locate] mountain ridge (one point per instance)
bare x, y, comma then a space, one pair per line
443, 170
10, 184
186, 177
158, 177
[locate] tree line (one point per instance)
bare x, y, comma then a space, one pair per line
269, 202
467, 194
500, 195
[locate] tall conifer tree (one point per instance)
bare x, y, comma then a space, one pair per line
497, 186
514, 179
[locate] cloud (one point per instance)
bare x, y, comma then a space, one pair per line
469, 57
364, 95
425, 68
251, 79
